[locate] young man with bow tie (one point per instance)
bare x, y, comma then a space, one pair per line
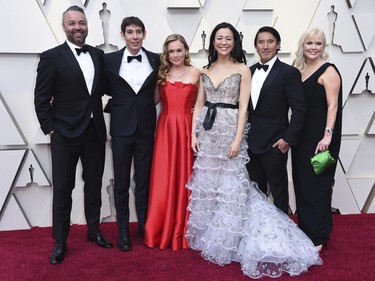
276, 87
68, 104
131, 75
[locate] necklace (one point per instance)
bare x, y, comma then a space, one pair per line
177, 76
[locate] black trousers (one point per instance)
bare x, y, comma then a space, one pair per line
270, 168
124, 149
65, 155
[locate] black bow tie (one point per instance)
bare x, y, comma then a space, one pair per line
84, 50
138, 58
262, 66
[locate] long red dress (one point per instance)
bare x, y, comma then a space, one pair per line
171, 168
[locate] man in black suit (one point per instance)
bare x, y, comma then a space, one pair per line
276, 88
69, 86
131, 74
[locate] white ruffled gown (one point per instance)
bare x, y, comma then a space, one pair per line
230, 218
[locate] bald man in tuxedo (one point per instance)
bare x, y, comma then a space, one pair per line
68, 91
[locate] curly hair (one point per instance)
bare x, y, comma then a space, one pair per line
165, 64
238, 54
300, 61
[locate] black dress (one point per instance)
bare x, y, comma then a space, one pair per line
314, 192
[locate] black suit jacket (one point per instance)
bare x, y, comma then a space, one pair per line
130, 110
62, 100
269, 121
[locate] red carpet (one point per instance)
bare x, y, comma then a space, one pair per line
24, 255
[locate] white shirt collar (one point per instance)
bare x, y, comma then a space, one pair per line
73, 47
270, 63
135, 73
127, 53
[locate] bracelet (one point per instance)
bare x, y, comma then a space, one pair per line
329, 130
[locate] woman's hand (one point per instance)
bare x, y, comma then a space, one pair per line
234, 149
194, 143
324, 143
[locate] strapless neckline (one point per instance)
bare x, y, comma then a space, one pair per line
221, 83
180, 82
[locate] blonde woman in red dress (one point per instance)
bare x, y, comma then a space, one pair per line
173, 157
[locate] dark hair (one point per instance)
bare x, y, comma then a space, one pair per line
269, 29
132, 21
74, 8
238, 54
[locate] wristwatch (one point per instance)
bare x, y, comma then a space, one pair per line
329, 130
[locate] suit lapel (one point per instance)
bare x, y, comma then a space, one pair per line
95, 60
116, 64
117, 61
151, 59
73, 63
270, 78
149, 78
115, 68
251, 107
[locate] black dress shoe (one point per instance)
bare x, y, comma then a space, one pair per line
123, 243
100, 240
58, 252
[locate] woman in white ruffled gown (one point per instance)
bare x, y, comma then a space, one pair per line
230, 219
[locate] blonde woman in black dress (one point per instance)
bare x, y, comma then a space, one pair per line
323, 92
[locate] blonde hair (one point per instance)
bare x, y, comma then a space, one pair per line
300, 61
165, 64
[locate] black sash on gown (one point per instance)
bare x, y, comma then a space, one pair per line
210, 117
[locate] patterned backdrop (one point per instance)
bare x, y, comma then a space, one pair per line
28, 27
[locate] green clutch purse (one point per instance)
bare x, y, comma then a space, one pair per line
322, 161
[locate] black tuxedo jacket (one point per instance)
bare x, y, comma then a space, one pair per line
130, 110
62, 100
269, 121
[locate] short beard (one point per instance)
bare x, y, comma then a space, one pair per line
79, 41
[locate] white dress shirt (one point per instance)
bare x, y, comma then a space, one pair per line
258, 79
86, 64
135, 72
